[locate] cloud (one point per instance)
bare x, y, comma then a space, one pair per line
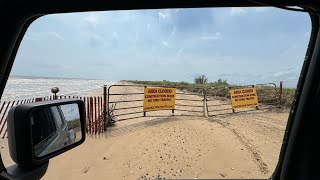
148, 27
290, 77
280, 73
164, 14
261, 9
56, 35
54, 67
179, 52
165, 43
95, 40
30, 37
91, 20
216, 36
237, 11
287, 73
307, 34
174, 30
100, 64
43, 35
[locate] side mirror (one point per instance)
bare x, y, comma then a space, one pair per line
41, 130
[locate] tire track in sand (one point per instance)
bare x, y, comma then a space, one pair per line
263, 167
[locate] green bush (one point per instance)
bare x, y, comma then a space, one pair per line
202, 79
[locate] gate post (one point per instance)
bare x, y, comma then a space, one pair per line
280, 93
144, 112
204, 102
105, 110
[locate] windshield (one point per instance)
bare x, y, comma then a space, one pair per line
170, 93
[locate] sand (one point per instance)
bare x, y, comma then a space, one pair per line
245, 145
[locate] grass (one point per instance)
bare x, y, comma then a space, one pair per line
267, 94
287, 96
181, 85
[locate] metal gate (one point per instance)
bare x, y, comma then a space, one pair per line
128, 104
126, 101
219, 102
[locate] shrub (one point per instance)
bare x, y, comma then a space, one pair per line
202, 79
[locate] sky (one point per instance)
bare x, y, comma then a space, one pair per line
241, 45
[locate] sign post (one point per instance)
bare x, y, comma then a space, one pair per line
159, 99
244, 98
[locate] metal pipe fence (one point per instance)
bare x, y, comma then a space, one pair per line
201, 102
129, 104
219, 102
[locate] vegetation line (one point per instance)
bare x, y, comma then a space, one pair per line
221, 88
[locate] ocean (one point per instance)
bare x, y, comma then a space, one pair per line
21, 87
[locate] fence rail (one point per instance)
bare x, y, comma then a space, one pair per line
199, 102
130, 102
219, 102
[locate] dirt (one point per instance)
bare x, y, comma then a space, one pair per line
241, 145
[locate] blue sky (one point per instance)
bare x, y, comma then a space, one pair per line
242, 45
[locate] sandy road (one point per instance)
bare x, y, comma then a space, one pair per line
245, 145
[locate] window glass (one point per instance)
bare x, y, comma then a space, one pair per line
56, 116
42, 127
226, 79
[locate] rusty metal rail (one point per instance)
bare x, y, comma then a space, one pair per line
269, 96
124, 109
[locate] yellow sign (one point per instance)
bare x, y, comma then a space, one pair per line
244, 98
159, 98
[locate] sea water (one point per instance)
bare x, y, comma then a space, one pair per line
21, 87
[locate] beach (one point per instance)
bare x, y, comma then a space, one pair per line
245, 145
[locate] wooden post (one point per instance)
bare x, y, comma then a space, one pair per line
99, 116
105, 109
204, 103
95, 115
92, 114
38, 99
280, 93
144, 112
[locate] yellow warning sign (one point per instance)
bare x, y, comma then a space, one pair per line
159, 98
244, 98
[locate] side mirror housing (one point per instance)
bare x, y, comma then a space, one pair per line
41, 130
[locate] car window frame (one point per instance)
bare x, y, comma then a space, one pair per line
27, 19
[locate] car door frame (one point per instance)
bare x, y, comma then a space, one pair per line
301, 137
